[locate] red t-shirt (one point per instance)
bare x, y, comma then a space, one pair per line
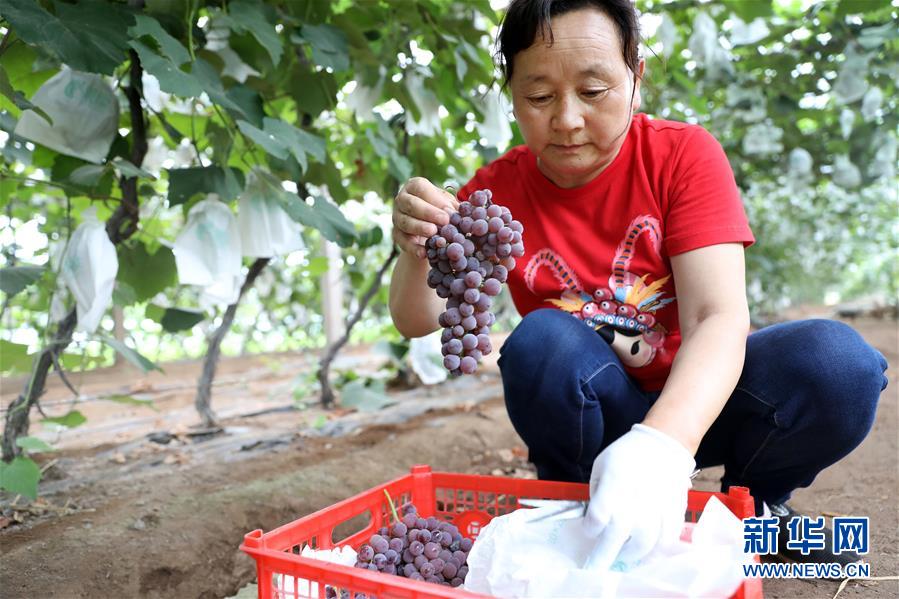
602, 251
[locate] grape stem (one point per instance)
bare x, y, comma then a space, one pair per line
396, 517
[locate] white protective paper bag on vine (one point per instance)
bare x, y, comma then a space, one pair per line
85, 115
426, 360
89, 268
705, 45
223, 293
207, 251
495, 126
265, 228
521, 555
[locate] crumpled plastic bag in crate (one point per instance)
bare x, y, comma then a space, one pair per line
516, 556
85, 115
89, 268
287, 586
207, 251
265, 228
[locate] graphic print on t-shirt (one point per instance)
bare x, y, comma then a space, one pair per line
623, 312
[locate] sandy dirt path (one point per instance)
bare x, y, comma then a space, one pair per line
123, 515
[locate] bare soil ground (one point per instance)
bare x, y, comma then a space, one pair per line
141, 503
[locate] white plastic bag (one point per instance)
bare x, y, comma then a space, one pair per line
742, 33
85, 115
667, 34
847, 122
265, 228
871, 103
517, 555
846, 174
884, 163
706, 48
495, 127
222, 293
428, 106
426, 360
851, 83
363, 99
287, 586
763, 139
88, 270
217, 36
207, 251
800, 163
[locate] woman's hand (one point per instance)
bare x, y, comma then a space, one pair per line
419, 209
638, 496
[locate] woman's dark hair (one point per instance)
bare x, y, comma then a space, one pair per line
525, 19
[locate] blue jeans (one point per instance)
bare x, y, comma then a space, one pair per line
806, 398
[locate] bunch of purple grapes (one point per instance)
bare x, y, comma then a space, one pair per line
470, 260
418, 548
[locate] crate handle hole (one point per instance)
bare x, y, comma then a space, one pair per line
350, 527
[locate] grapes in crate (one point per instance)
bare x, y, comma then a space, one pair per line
470, 260
419, 549
331, 593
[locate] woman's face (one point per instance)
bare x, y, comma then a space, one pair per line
572, 100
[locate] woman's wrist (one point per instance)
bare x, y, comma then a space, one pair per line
688, 440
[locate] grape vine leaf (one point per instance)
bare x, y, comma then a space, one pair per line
91, 37
147, 274
72, 419
132, 401
323, 216
171, 78
249, 16
329, 46
14, 357
211, 83
126, 169
20, 477
185, 182
14, 279
281, 139
175, 319
34, 444
171, 48
365, 398
131, 355
18, 99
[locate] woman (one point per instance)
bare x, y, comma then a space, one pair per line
633, 364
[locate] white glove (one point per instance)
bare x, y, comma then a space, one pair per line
638, 496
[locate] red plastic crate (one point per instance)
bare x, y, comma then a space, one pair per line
469, 501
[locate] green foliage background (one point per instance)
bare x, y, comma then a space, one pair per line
806, 111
